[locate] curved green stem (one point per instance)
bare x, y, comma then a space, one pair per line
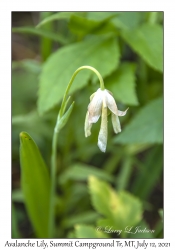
53, 184
72, 79
58, 126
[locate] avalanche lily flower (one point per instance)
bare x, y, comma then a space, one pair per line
100, 102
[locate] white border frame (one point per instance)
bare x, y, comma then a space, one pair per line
5, 98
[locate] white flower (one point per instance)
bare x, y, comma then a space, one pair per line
100, 102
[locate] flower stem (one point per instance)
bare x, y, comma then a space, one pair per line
72, 79
53, 184
54, 144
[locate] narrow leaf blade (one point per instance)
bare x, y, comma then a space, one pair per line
15, 230
35, 184
40, 32
56, 16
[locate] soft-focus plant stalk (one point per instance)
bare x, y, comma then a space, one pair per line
61, 121
46, 43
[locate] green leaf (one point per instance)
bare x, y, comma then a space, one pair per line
146, 126
119, 209
102, 195
121, 19
71, 235
39, 127
128, 19
24, 85
81, 172
84, 25
64, 119
88, 232
46, 44
99, 52
85, 217
159, 230
125, 173
153, 164
122, 84
35, 183
29, 65
77, 198
15, 230
57, 16
147, 41
40, 32
101, 16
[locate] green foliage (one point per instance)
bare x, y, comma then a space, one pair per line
24, 84
122, 84
127, 49
85, 218
128, 20
146, 126
81, 172
61, 122
120, 20
161, 213
83, 231
120, 209
125, 173
82, 26
147, 41
35, 184
153, 164
40, 32
53, 80
57, 16
15, 231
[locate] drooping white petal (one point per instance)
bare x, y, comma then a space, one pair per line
95, 106
109, 92
115, 123
111, 103
87, 125
103, 134
122, 113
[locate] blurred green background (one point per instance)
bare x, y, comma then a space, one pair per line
124, 186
